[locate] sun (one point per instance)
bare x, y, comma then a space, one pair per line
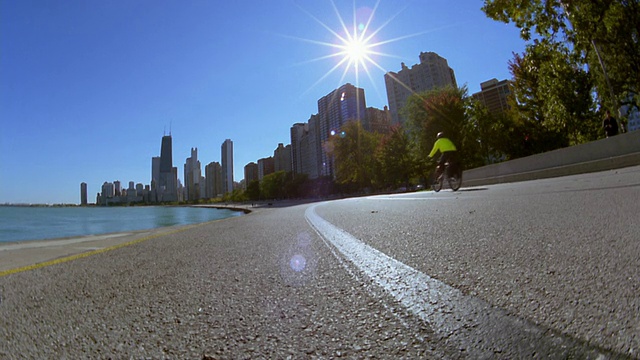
356, 47
356, 51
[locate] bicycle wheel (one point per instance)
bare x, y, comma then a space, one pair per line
436, 184
455, 182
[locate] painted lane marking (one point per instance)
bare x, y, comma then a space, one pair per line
463, 322
408, 198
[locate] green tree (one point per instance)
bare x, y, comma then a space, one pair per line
483, 133
553, 95
253, 190
237, 195
431, 112
394, 156
607, 34
354, 156
272, 185
526, 108
601, 35
294, 185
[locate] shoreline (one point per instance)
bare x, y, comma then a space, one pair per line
23, 255
43, 233
18, 256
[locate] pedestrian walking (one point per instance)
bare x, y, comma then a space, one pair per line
610, 125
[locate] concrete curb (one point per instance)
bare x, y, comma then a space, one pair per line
601, 155
573, 169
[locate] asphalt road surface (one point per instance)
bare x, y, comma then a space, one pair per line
539, 269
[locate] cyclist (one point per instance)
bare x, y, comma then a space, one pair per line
447, 150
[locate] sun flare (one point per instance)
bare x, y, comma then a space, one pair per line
356, 51
355, 48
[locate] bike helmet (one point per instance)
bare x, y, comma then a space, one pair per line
440, 135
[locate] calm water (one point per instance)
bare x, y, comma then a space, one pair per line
37, 223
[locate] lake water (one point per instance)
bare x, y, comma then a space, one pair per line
37, 223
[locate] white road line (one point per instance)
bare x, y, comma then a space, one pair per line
408, 198
464, 322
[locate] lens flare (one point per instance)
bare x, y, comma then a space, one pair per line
356, 45
298, 262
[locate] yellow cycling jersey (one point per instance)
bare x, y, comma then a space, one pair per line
442, 145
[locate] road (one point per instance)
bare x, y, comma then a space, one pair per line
547, 268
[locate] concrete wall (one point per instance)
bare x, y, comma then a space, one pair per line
618, 151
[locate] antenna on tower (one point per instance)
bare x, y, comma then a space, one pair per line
169, 128
164, 131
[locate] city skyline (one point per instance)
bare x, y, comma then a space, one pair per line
93, 108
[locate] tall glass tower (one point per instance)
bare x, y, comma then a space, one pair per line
336, 108
227, 166
168, 179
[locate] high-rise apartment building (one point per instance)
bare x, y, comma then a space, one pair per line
155, 171
213, 180
311, 148
282, 158
192, 175
167, 189
297, 132
227, 166
344, 104
493, 95
377, 121
107, 193
305, 147
117, 186
250, 173
266, 166
431, 73
83, 194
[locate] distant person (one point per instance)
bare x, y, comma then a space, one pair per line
610, 125
447, 150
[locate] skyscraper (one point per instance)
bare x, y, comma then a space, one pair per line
250, 173
192, 174
297, 132
117, 186
83, 194
155, 171
282, 158
227, 165
266, 166
336, 108
433, 72
213, 179
310, 149
167, 189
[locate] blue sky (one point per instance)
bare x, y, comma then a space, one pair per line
88, 88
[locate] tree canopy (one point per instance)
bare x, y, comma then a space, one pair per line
600, 37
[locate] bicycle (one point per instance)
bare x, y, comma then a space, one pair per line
452, 172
